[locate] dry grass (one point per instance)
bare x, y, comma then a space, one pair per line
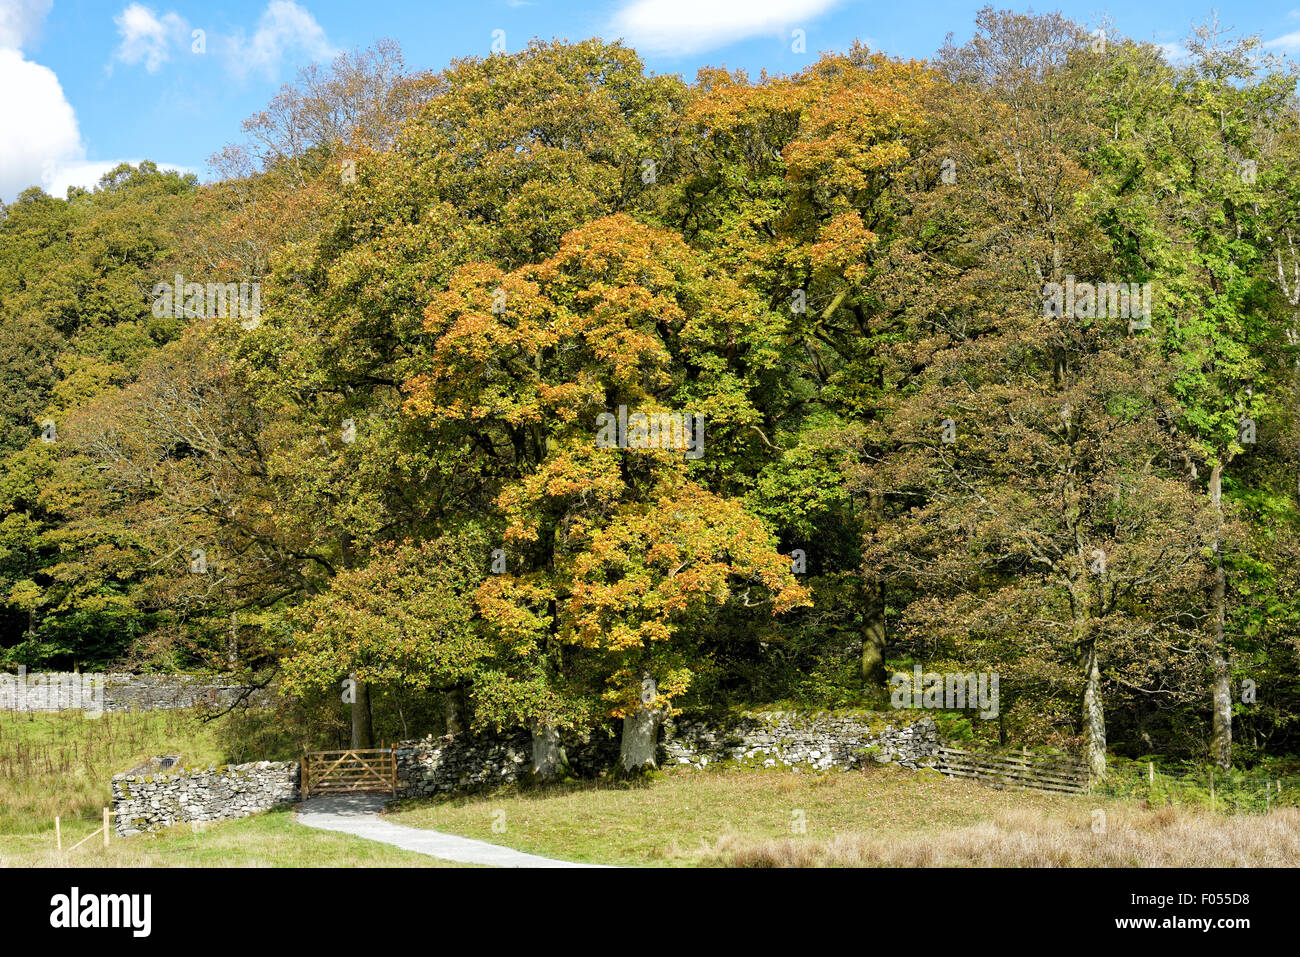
1033, 837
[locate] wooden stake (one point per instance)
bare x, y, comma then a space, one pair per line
58, 834
1151, 772
106, 827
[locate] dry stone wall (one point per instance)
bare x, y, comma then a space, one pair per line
146, 802
820, 740
457, 762
800, 740
119, 691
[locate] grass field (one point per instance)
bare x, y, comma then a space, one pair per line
884, 817
62, 764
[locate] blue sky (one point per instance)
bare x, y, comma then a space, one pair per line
87, 83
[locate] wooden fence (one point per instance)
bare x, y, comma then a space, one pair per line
341, 772
1018, 770
106, 831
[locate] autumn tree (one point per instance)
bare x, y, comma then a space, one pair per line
622, 320
796, 184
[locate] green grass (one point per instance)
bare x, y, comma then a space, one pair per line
62, 764
271, 839
677, 817
886, 816
1254, 791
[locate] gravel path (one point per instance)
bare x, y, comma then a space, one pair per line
359, 814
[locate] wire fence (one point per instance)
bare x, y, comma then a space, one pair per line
1233, 792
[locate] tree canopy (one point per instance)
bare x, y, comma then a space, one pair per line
987, 362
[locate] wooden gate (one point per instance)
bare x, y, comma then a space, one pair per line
1059, 774
343, 772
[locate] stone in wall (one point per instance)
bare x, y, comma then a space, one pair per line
146, 802
457, 762
816, 740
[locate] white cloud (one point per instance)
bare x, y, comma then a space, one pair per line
40, 126
692, 26
41, 145
284, 27
20, 19
87, 173
1173, 51
146, 37
1288, 43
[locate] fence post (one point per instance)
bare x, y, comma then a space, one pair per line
106, 827
1212, 787
58, 834
1151, 772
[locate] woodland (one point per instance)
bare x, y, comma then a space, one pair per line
384, 480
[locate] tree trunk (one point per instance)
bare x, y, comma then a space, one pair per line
872, 668
1220, 683
1093, 711
548, 755
873, 637
451, 712
1094, 718
362, 735
640, 739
